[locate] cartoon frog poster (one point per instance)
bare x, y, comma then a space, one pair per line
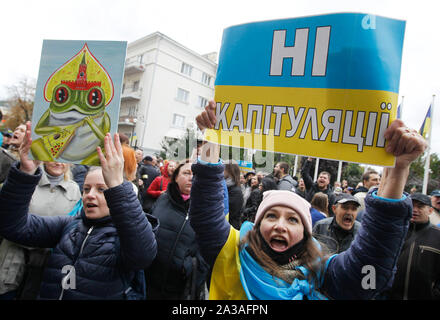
83, 102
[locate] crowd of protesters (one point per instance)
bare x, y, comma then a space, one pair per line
143, 227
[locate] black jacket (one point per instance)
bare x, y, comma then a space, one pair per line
252, 204
148, 173
418, 267
312, 187
179, 271
360, 189
235, 197
334, 237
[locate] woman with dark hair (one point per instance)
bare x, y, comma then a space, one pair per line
179, 271
277, 257
319, 207
267, 183
235, 196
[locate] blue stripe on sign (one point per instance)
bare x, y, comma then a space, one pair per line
362, 54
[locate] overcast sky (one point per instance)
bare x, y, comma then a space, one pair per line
199, 24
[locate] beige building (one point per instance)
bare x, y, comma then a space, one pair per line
165, 86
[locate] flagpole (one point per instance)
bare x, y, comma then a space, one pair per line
315, 177
295, 165
428, 150
339, 171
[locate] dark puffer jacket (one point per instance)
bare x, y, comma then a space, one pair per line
101, 270
179, 271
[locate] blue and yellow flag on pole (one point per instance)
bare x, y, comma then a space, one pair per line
425, 129
321, 86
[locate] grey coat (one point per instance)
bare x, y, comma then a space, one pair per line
6, 161
287, 183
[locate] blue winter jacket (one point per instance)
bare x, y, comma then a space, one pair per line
102, 270
349, 275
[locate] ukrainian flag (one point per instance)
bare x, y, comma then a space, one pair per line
425, 130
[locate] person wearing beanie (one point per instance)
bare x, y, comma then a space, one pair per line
277, 257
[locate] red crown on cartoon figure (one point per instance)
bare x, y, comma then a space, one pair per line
81, 82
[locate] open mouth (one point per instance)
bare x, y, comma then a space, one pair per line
348, 219
278, 244
91, 205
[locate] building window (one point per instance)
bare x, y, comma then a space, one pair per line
132, 111
186, 69
202, 102
182, 95
178, 121
135, 86
206, 79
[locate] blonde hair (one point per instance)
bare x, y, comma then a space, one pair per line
67, 172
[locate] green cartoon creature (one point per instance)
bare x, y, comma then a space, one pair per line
75, 123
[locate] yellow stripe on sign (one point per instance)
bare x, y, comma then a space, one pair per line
339, 124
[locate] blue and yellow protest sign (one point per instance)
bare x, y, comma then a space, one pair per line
321, 86
245, 166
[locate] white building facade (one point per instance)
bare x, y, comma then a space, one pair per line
165, 87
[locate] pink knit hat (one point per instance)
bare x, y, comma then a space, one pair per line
288, 199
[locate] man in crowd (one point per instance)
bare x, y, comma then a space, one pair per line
285, 180
147, 173
369, 179
339, 231
246, 187
434, 218
322, 184
418, 267
8, 156
139, 154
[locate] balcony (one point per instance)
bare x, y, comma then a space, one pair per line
132, 67
131, 94
127, 121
